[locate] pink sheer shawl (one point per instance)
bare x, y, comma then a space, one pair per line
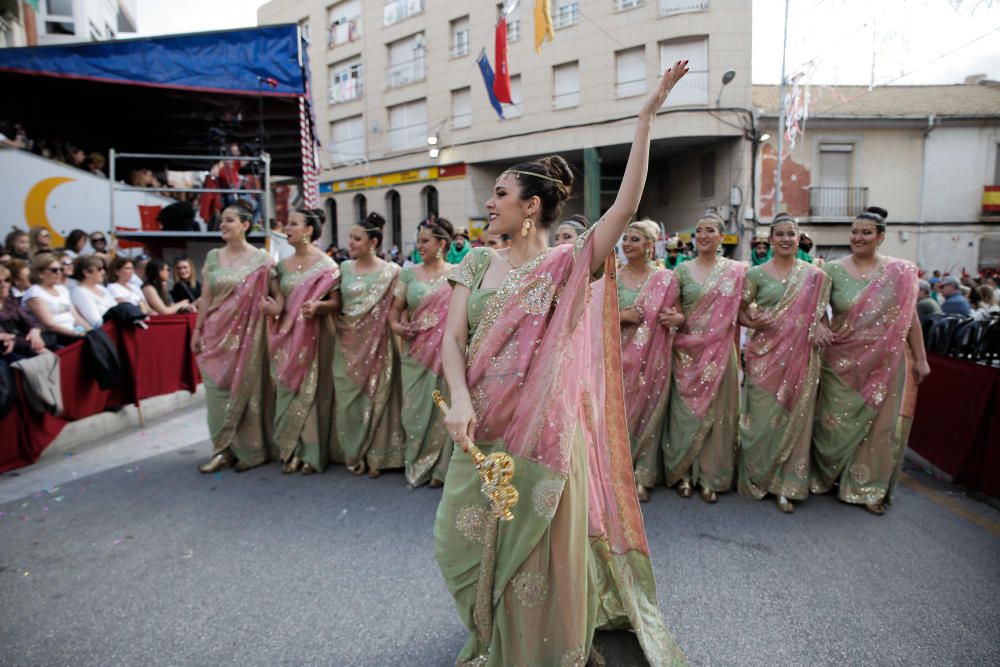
538, 373
295, 340
790, 338
230, 327
701, 348
646, 351
871, 335
428, 320
363, 330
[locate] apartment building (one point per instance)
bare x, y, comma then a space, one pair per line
391, 76
930, 155
46, 22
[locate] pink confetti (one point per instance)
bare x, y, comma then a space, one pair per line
117, 542
45, 509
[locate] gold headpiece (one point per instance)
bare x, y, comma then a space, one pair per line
531, 173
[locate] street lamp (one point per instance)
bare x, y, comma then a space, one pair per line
726, 80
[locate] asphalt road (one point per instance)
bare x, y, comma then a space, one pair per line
148, 562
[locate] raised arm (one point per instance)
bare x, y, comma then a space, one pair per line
611, 225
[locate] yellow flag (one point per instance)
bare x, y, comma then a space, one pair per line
543, 24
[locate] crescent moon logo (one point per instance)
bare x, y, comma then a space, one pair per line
34, 205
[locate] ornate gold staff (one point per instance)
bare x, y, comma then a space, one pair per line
495, 472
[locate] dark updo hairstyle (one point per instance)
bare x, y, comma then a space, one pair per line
315, 217
74, 239
372, 225
244, 211
440, 228
875, 214
549, 179
84, 263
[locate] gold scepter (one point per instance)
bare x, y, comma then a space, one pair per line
495, 473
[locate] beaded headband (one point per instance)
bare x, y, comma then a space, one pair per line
868, 215
531, 173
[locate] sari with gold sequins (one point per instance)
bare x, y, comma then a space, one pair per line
301, 361
782, 373
544, 373
647, 349
699, 441
866, 398
366, 373
233, 360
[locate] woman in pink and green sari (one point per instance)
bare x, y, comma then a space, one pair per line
369, 435
302, 348
699, 442
784, 302
418, 315
230, 341
649, 315
867, 389
533, 363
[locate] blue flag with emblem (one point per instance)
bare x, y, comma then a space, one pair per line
484, 67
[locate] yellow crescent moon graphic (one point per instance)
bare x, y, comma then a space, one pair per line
34, 206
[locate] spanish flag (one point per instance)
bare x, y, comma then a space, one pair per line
543, 24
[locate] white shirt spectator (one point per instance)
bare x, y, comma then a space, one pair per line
91, 306
131, 294
60, 306
280, 247
135, 282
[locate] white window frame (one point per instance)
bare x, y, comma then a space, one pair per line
634, 85
340, 17
346, 70
692, 90
461, 120
351, 150
566, 99
412, 132
395, 11
459, 37
626, 5
404, 72
673, 7
516, 108
566, 14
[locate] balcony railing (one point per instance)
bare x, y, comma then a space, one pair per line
669, 7
346, 90
405, 73
513, 31
460, 44
399, 10
827, 202
624, 5
630, 87
344, 31
566, 15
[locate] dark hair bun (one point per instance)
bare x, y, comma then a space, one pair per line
319, 215
374, 221
556, 167
878, 210
242, 206
445, 226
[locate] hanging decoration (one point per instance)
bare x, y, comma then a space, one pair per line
488, 79
501, 85
544, 32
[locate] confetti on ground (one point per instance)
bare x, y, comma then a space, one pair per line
217, 475
26, 573
45, 509
67, 455
117, 542
59, 499
342, 513
3, 514
188, 554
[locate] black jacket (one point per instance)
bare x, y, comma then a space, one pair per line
100, 359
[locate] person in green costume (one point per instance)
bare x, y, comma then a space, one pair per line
784, 304
533, 365
870, 373
418, 315
675, 254
230, 341
301, 340
460, 246
367, 393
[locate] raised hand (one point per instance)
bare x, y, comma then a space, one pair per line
659, 95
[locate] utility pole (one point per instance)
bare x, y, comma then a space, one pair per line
781, 118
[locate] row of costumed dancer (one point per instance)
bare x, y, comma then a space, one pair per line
824, 402
599, 383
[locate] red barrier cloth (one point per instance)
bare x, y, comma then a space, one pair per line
155, 361
957, 422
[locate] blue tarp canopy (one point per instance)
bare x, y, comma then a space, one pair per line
235, 61
177, 94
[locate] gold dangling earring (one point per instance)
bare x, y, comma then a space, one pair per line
527, 226
439, 253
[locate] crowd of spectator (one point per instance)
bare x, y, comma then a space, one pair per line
961, 314
51, 297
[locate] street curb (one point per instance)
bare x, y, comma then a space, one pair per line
106, 424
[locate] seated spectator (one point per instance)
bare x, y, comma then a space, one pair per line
120, 283
75, 243
95, 164
91, 298
5, 257
155, 290
17, 244
139, 273
186, 285
926, 305
49, 301
20, 275
20, 333
39, 240
954, 303
66, 262
986, 305
99, 244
